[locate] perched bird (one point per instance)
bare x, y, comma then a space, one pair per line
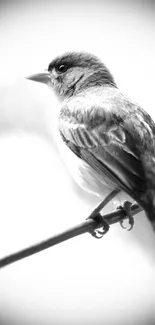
111, 137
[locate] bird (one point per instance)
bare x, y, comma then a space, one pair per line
108, 139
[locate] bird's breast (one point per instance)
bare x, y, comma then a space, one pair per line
84, 175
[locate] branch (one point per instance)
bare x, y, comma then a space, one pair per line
87, 226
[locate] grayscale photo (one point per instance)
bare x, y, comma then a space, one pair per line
77, 162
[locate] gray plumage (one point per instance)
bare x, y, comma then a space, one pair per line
112, 135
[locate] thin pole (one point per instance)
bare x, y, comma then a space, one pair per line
87, 226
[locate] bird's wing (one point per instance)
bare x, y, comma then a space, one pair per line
112, 153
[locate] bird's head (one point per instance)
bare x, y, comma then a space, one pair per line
73, 72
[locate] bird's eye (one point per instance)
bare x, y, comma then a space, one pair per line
62, 68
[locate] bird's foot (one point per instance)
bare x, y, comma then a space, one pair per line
126, 207
104, 228
97, 216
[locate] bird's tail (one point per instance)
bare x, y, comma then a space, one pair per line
148, 204
152, 220
147, 198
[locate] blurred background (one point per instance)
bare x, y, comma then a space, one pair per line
81, 281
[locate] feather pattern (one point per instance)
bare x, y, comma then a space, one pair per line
112, 138
105, 138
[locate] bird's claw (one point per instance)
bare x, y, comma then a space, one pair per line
126, 207
97, 234
104, 229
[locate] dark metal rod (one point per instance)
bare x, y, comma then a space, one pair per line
82, 228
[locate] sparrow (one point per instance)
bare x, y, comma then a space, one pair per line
108, 139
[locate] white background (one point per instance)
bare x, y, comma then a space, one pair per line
82, 281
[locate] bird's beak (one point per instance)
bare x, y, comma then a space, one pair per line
44, 77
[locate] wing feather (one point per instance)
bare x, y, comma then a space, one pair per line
112, 154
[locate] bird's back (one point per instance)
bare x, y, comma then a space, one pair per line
113, 136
